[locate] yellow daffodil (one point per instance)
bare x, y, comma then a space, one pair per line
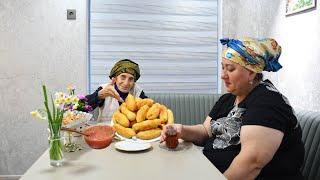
75, 99
37, 115
68, 99
63, 100
34, 113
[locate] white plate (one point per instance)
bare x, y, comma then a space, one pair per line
132, 146
135, 139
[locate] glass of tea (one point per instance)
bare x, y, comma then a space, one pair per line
171, 138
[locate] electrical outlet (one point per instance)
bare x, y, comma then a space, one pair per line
71, 14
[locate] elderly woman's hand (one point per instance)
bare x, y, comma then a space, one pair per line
110, 91
177, 127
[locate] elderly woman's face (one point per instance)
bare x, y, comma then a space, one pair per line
235, 77
125, 82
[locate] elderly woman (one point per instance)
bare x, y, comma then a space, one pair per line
251, 132
108, 97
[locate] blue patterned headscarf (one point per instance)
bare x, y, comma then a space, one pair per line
254, 54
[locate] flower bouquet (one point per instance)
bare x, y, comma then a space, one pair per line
54, 115
75, 117
62, 106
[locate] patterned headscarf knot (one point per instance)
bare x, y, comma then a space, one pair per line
255, 54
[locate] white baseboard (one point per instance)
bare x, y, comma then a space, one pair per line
10, 177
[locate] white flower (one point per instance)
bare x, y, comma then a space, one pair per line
75, 106
59, 95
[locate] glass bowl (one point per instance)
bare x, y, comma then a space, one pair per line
99, 136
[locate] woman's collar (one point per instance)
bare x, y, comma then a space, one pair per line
123, 95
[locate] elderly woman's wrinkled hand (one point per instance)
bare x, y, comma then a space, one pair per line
110, 91
176, 127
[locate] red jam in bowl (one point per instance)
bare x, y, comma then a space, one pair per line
99, 136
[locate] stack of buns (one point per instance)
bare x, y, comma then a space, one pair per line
142, 118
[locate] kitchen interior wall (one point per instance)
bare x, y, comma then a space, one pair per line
38, 46
298, 35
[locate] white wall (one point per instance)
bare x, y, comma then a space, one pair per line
299, 79
38, 45
300, 39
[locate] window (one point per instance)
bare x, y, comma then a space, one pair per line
175, 43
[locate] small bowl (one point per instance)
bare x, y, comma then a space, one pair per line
100, 136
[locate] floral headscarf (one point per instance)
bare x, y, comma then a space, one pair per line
256, 55
125, 66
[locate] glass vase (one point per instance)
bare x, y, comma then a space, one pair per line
71, 143
56, 151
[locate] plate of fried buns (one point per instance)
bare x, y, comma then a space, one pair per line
141, 119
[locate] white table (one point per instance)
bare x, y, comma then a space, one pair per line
110, 164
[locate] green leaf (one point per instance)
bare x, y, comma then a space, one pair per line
47, 106
53, 108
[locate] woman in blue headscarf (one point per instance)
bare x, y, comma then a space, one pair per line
251, 132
